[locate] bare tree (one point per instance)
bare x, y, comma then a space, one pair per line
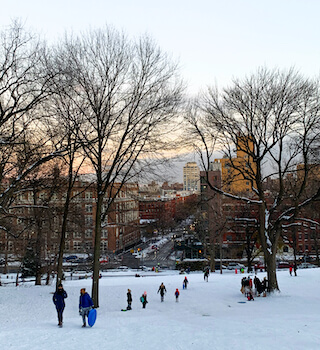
63, 120
127, 93
272, 117
24, 85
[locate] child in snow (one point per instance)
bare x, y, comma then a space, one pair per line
58, 299
143, 300
162, 290
185, 283
264, 286
250, 295
206, 275
177, 293
129, 299
85, 305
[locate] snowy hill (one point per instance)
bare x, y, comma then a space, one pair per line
207, 316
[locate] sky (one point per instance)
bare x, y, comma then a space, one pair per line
213, 40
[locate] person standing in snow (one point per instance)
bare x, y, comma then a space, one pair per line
58, 299
162, 290
258, 287
177, 293
129, 299
264, 286
85, 305
185, 283
206, 274
290, 270
143, 300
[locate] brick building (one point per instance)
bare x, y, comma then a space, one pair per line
36, 216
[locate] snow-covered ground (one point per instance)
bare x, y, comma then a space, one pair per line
207, 316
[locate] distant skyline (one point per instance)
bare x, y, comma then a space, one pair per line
213, 40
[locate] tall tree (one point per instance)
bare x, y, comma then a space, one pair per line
24, 86
272, 117
127, 93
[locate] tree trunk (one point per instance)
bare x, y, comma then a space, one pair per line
269, 250
38, 258
63, 235
96, 253
271, 272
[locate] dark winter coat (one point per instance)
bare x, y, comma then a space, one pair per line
85, 300
58, 299
162, 290
129, 297
258, 285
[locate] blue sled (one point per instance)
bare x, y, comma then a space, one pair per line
92, 317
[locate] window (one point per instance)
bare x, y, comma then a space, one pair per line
88, 220
88, 246
104, 246
88, 195
76, 235
88, 208
88, 233
10, 246
104, 234
76, 245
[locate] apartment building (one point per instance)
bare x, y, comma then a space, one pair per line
36, 216
191, 177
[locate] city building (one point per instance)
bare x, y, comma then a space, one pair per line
37, 213
191, 177
234, 180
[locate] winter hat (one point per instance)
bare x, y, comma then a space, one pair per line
144, 293
59, 285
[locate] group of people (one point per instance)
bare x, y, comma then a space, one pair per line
162, 290
85, 304
261, 287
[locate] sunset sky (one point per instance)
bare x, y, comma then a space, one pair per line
213, 40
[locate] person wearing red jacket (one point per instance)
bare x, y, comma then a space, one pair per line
177, 293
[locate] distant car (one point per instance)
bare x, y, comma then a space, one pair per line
217, 266
284, 265
154, 247
71, 258
259, 266
145, 268
306, 265
123, 268
233, 266
104, 260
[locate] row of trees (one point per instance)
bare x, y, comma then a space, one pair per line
273, 118
99, 101
104, 103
